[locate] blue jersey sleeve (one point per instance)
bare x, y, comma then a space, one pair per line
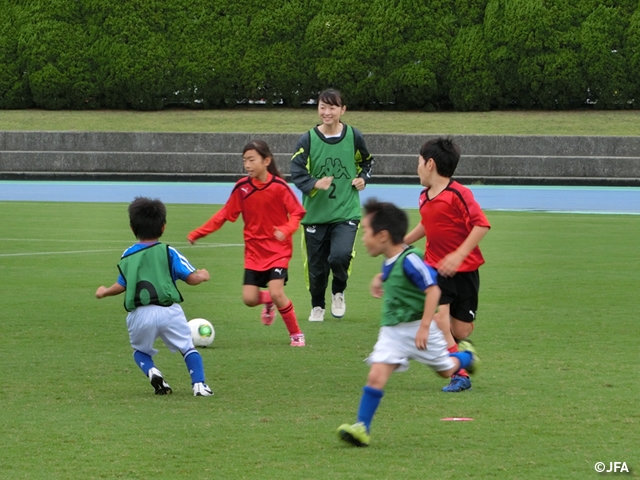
121, 281
421, 274
180, 266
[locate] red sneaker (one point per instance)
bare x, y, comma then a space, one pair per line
268, 313
297, 340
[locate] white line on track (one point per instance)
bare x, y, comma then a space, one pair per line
71, 240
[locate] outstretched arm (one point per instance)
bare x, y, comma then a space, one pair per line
115, 289
213, 224
197, 277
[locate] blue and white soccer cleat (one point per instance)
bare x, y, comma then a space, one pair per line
201, 390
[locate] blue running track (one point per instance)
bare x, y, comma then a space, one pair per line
612, 200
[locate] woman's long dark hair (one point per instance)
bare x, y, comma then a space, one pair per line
264, 151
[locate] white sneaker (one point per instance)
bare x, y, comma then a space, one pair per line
338, 307
157, 382
201, 390
317, 314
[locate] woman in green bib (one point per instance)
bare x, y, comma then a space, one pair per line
330, 166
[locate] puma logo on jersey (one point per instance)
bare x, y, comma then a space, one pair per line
245, 189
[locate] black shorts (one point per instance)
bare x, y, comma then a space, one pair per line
262, 278
461, 293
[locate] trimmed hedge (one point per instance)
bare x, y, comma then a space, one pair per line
404, 54
14, 81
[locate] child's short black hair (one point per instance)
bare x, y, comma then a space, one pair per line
147, 218
331, 97
444, 152
387, 216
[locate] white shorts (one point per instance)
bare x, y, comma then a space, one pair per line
396, 345
147, 323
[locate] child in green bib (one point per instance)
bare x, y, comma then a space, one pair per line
330, 166
410, 294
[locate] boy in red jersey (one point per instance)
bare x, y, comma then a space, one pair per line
271, 214
454, 224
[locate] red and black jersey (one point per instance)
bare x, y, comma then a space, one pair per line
447, 220
264, 207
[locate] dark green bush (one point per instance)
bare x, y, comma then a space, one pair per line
134, 55
272, 66
403, 54
471, 79
632, 47
54, 44
605, 58
534, 48
338, 57
470, 12
14, 81
383, 53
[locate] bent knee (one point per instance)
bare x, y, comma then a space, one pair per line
280, 299
375, 381
340, 259
461, 330
250, 301
447, 373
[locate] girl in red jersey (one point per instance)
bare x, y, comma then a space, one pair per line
271, 214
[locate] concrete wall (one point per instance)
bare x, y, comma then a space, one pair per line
141, 156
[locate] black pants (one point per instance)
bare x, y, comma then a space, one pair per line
329, 249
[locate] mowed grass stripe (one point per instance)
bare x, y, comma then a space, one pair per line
287, 120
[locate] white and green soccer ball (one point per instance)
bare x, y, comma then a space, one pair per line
202, 332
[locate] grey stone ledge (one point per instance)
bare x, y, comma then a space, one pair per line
501, 159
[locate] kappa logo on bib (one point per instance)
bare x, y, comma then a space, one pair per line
333, 168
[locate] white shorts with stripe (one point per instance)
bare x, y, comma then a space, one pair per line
396, 345
147, 323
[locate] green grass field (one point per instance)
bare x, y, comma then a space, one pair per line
280, 120
556, 330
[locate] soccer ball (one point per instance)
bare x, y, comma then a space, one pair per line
202, 332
